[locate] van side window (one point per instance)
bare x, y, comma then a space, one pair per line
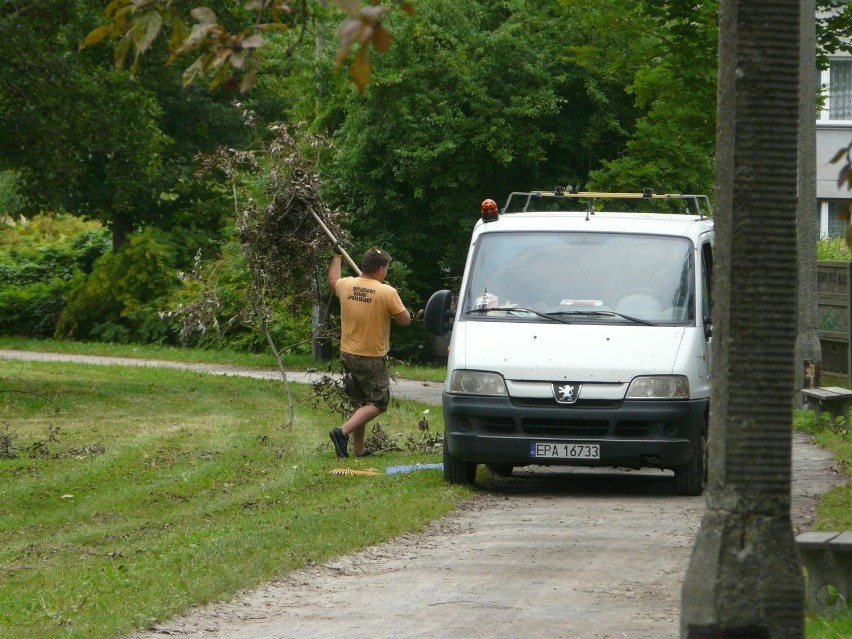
707, 281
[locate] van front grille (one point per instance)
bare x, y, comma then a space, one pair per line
497, 425
633, 429
565, 427
555, 427
549, 402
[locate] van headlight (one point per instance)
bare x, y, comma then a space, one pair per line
477, 383
659, 387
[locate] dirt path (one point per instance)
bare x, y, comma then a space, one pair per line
576, 554
428, 392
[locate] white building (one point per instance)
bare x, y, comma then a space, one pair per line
834, 132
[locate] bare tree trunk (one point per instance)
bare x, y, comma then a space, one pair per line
264, 327
808, 357
744, 578
122, 227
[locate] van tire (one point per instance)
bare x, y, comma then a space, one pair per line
691, 478
457, 471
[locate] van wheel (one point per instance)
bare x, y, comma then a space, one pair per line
691, 478
457, 471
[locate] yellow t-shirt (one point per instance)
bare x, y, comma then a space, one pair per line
366, 308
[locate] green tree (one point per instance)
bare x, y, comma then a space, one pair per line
80, 139
833, 29
471, 102
671, 55
88, 139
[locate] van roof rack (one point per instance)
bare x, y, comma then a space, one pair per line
701, 203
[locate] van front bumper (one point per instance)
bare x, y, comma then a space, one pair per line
630, 433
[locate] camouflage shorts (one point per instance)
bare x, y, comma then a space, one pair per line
366, 380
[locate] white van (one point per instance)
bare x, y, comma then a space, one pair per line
581, 337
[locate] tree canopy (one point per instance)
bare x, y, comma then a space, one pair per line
88, 139
103, 113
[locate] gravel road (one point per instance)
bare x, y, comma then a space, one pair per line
579, 553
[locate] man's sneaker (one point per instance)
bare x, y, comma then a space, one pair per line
367, 452
340, 441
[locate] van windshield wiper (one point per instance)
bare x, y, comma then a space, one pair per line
559, 316
629, 318
519, 309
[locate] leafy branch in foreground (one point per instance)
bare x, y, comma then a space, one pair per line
226, 54
845, 178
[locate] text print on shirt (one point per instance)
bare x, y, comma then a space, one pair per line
359, 294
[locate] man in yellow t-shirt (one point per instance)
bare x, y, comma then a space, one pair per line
367, 305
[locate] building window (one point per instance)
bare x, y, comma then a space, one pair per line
830, 224
840, 90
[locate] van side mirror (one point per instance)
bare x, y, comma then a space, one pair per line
436, 316
708, 328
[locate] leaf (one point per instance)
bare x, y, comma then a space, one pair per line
113, 6
96, 35
178, 34
248, 81
220, 75
373, 14
840, 154
120, 16
845, 174
252, 42
348, 34
192, 71
359, 70
381, 40
846, 212
352, 7
273, 26
203, 15
219, 57
145, 29
121, 50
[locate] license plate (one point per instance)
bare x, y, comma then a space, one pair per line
549, 450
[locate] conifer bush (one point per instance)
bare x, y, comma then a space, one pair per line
41, 261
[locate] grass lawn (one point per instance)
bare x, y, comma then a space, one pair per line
834, 510
128, 495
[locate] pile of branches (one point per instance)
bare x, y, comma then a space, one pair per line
277, 201
282, 239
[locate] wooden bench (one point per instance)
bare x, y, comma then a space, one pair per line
827, 557
834, 400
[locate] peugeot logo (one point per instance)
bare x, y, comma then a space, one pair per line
566, 393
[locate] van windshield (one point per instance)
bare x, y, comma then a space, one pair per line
583, 277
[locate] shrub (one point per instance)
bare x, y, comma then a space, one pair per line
41, 260
118, 302
213, 307
33, 310
834, 249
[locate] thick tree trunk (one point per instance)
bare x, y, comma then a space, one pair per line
122, 227
744, 577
